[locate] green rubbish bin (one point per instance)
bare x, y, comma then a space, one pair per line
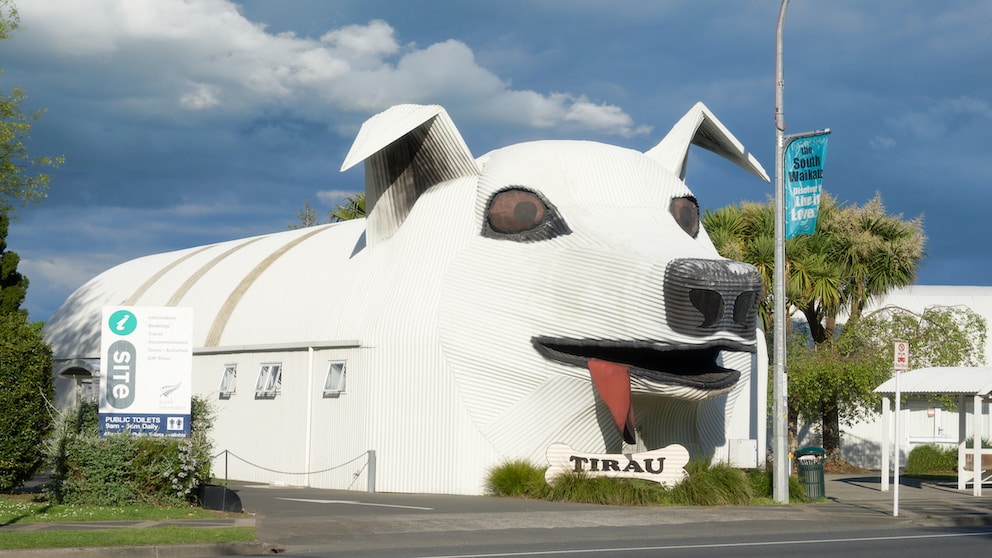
809, 466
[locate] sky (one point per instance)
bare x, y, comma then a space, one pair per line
191, 122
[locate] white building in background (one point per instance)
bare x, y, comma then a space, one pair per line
553, 291
924, 420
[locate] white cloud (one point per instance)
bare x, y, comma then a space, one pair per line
200, 96
204, 56
881, 143
373, 41
333, 197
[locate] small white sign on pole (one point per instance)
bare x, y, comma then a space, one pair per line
146, 362
900, 356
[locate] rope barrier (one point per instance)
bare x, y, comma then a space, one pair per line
257, 466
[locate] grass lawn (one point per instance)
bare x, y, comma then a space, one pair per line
22, 508
125, 537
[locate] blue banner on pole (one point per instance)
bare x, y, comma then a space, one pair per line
804, 160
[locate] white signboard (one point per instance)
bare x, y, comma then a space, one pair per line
146, 359
664, 465
900, 355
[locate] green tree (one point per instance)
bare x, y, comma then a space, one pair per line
939, 336
305, 217
26, 384
352, 208
21, 178
841, 377
26, 387
877, 253
13, 285
856, 254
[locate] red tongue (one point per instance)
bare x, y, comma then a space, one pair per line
613, 383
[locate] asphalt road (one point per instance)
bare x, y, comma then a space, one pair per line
308, 522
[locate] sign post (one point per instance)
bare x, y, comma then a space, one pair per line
146, 360
900, 363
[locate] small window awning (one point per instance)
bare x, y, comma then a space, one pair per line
952, 380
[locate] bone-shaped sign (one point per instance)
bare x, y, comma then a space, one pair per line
663, 465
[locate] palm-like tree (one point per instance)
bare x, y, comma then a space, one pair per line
856, 253
352, 208
879, 252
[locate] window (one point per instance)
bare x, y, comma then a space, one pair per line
229, 382
335, 381
269, 382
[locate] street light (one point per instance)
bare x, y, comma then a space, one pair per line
780, 394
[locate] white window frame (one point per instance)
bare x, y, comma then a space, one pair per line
269, 382
228, 381
335, 381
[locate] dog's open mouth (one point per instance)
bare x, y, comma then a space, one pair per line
692, 367
612, 363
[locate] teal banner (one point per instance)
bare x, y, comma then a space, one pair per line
804, 160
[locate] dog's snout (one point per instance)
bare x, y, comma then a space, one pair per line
706, 296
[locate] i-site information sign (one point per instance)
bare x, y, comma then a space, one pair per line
146, 361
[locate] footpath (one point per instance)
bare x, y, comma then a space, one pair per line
849, 498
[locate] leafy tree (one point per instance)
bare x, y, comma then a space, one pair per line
13, 285
21, 181
26, 383
25, 388
838, 379
352, 208
939, 336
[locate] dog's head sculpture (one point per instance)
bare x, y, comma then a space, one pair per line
577, 276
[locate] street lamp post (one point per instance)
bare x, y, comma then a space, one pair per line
780, 403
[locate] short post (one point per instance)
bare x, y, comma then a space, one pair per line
887, 429
976, 448
371, 471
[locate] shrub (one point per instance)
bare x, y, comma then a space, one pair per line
125, 469
26, 386
931, 458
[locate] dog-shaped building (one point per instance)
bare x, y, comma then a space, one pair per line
550, 291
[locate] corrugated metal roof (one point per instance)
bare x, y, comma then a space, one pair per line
966, 380
235, 286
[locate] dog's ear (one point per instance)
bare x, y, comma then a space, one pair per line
700, 127
406, 149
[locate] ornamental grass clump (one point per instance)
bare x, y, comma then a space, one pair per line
707, 485
517, 478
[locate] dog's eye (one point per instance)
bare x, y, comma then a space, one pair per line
521, 214
686, 213
515, 211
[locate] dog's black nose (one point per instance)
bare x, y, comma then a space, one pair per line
706, 296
